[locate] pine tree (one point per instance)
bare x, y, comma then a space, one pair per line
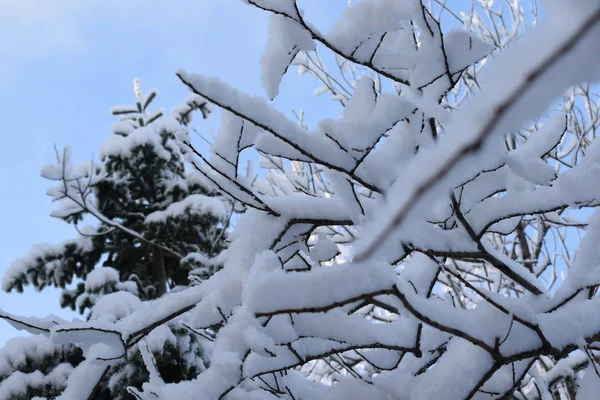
159, 226
140, 186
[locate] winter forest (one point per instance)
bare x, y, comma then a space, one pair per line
434, 238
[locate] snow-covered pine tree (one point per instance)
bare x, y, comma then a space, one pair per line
157, 223
158, 227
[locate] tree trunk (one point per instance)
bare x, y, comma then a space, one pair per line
160, 274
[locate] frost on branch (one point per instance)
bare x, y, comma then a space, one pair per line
419, 245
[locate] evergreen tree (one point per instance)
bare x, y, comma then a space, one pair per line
141, 187
159, 226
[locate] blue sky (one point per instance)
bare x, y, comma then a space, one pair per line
65, 63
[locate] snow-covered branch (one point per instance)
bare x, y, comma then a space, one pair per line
420, 245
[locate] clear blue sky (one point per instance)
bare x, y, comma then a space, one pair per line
64, 63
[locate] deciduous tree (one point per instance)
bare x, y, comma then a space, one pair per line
423, 244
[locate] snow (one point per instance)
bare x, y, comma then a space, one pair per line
150, 363
275, 291
100, 277
64, 167
366, 117
464, 48
286, 39
455, 374
568, 189
583, 320
31, 324
123, 128
195, 204
366, 18
83, 379
122, 146
545, 139
534, 170
257, 111
429, 106
18, 384
502, 80
160, 336
114, 306
92, 337
235, 135
18, 350
168, 125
